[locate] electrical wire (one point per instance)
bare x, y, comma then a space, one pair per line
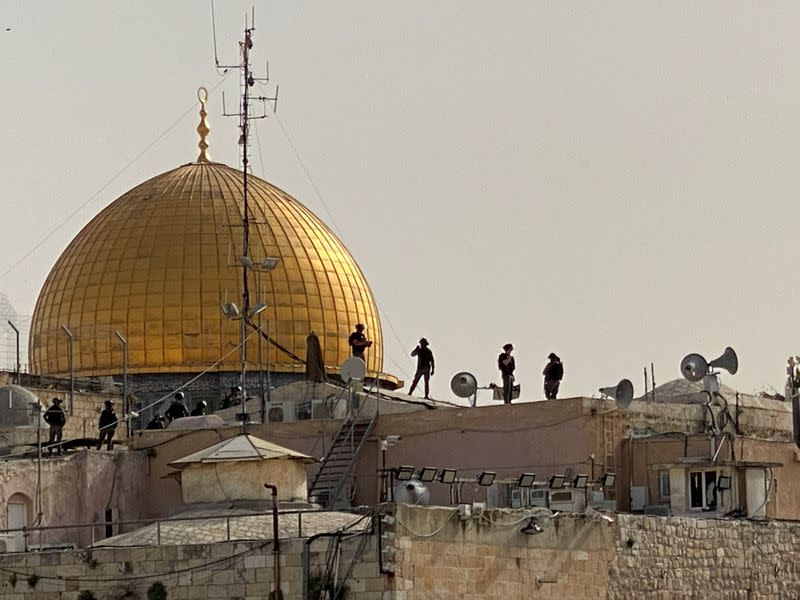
427, 535
103, 187
333, 223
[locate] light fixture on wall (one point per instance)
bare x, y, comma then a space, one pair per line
404, 473
448, 476
580, 481
532, 527
427, 474
526, 480
556, 482
486, 478
608, 479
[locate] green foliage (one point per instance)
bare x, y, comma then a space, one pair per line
157, 591
87, 595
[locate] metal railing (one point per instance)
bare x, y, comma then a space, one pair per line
161, 527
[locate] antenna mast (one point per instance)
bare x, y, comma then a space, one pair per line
245, 115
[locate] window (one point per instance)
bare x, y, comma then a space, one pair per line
663, 485
702, 488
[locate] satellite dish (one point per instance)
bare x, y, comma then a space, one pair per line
694, 367
353, 369
728, 361
412, 492
622, 393
464, 385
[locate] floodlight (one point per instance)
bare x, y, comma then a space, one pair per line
608, 479
724, 482
526, 480
556, 482
258, 308
230, 310
405, 473
580, 481
532, 528
428, 474
486, 478
269, 263
447, 476
246, 261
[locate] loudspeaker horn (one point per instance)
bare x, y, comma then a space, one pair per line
622, 393
728, 361
694, 367
464, 385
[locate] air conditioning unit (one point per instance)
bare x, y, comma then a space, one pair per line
11, 542
526, 497
639, 497
568, 500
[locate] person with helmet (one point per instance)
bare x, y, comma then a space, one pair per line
199, 410
157, 422
176, 410
56, 418
507, 365
107, 425
232, 398
553, 374
425, 367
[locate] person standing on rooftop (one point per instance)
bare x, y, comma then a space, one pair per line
358, 341
553, 374
56, 418
507, 366
425, 367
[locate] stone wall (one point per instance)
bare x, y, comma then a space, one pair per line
229, 570
438, 556
663, 558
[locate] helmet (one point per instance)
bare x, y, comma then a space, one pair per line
202, 403
179, 396
108, 403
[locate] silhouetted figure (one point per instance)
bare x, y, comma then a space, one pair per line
107, 425
176, 410
506, 364
199, 409
553, 374
157, 422
425, 367
56, 418
358, 341
232, 398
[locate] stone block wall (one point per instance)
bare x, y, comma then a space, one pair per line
662, 558
230, 571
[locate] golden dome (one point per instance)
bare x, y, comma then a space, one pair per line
156, 264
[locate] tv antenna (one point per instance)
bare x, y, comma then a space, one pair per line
245, 115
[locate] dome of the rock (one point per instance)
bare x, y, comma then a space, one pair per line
157, 263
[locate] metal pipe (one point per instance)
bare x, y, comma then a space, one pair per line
70, 359
307, 557
276, 547
243, 354
262, 400
125, 407
16, 372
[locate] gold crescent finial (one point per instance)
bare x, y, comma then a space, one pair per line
202, 128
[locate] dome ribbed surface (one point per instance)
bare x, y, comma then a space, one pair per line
156, 264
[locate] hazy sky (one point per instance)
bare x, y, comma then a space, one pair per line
615, 182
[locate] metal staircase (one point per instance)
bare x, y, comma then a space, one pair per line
339, 463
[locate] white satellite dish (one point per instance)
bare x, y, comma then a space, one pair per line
412, 492
622, 393
353, 369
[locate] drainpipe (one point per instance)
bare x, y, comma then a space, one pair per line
276, 548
